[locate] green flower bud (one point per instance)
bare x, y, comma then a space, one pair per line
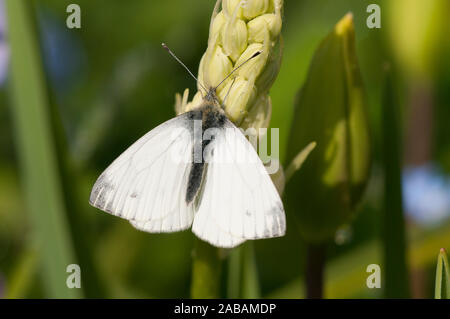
234, 38
238, 30
182, 105
298, 160
253, 67
217, 67
242, 92
231, 7
263, 26
217, 26
270, 70
181, 102
331, 110
252, 9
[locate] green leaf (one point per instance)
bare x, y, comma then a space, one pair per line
36, 150
393, 223
331, 110
442, 285
23, 275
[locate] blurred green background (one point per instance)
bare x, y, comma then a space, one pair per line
110, 82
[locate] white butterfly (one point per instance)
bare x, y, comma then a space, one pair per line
160, 184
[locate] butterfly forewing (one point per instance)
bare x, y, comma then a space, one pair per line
147, 183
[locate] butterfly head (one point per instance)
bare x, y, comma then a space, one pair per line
211, 95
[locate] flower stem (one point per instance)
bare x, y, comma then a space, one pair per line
234, 273
206, 271
250, 281
315, 263
243, 273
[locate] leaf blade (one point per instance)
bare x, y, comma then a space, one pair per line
35, 145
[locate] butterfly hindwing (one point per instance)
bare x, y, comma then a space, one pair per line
239, 201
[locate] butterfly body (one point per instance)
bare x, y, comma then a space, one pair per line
211, 116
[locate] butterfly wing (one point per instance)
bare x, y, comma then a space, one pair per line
239, 200
147, 183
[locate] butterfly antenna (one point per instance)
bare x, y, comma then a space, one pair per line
237, 68
229, 90
184, 66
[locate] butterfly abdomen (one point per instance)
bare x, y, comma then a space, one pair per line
195, 180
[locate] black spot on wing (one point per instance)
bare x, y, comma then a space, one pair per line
101, 188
